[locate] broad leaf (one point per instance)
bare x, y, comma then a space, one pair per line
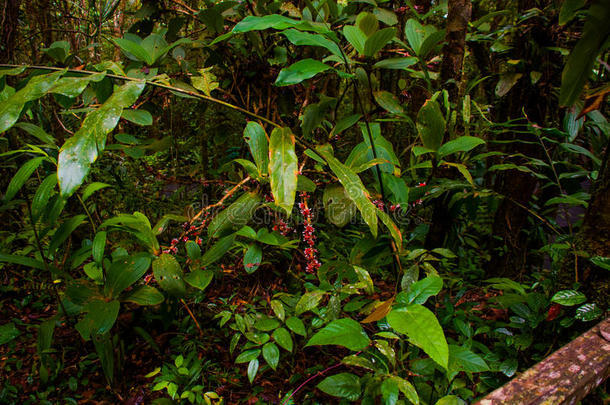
256, 138
235, 215
82, 149
308, 301
378, 40
145, 295
283, 169
271, 354
168, 274
282, 337
431, 125
124, 272
423, 330
218, 250
343, 385
22, 175
568, 298
304, 38
343, 332
38, 86
355, 37
461, 144
355, 189
252, 258
199, 278
299, 71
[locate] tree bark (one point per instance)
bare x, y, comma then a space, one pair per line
9, 12
458, 18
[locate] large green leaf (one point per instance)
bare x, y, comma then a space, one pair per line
283, 169
145, 295
423, 330
82, 149
378, 40
420, 291
388, 102
38, 86
582, 58
63, 232
308, 301
124, 272
133, 50
305, 38
73, 86
271, 354
278, 22
431, 124
461, 144
355, 37
256, 138
396, 63
168, 274
339, 208
199, 278
235, 215
568, 298
22, 175
299, 71
282, 337
218, 250
462, 359
99, 319
343, 385
43, 194
343, 332
354, 187
22, 261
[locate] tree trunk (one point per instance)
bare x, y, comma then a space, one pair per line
9, 12
458, 18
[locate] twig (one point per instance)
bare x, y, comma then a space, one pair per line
192, 316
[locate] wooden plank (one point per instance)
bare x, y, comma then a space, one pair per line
565, 377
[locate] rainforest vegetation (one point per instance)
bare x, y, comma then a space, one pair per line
298, 202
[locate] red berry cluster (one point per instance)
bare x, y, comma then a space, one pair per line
189, 232
282, 227
419, 201
313, 264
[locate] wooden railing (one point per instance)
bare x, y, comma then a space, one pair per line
565, 377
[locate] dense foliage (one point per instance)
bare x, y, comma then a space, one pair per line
298, 202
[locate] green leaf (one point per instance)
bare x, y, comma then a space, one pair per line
256, 138
283, 169
252, 258
308, 301
603, 262
355, 189
82, 149
22, 261
124, 272
296, 325
133, 50
278, 309
568, 298
43, 194
450, 400
247, 356
407, 389
36, 132
420, 291
461, 144
38, 86
506, 82
355, 37
235, 215
73, 86
582, 58
271, 354
22, 175
343, 385
568, 10
388, 102
431, 125
304, 38
98, 246
282, 337
343, 332
367, 23
193, 250
389, 391
63, 232
423, 330
378, 40
588, 312
99, 319
218, 250
145, 295
199, 278
92, 188
8, 332
278, 22
252, 369
299, 71
416, 34
430, 42
206, 82
462, 359
168, 274
139, 117
396, 63
339, 208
